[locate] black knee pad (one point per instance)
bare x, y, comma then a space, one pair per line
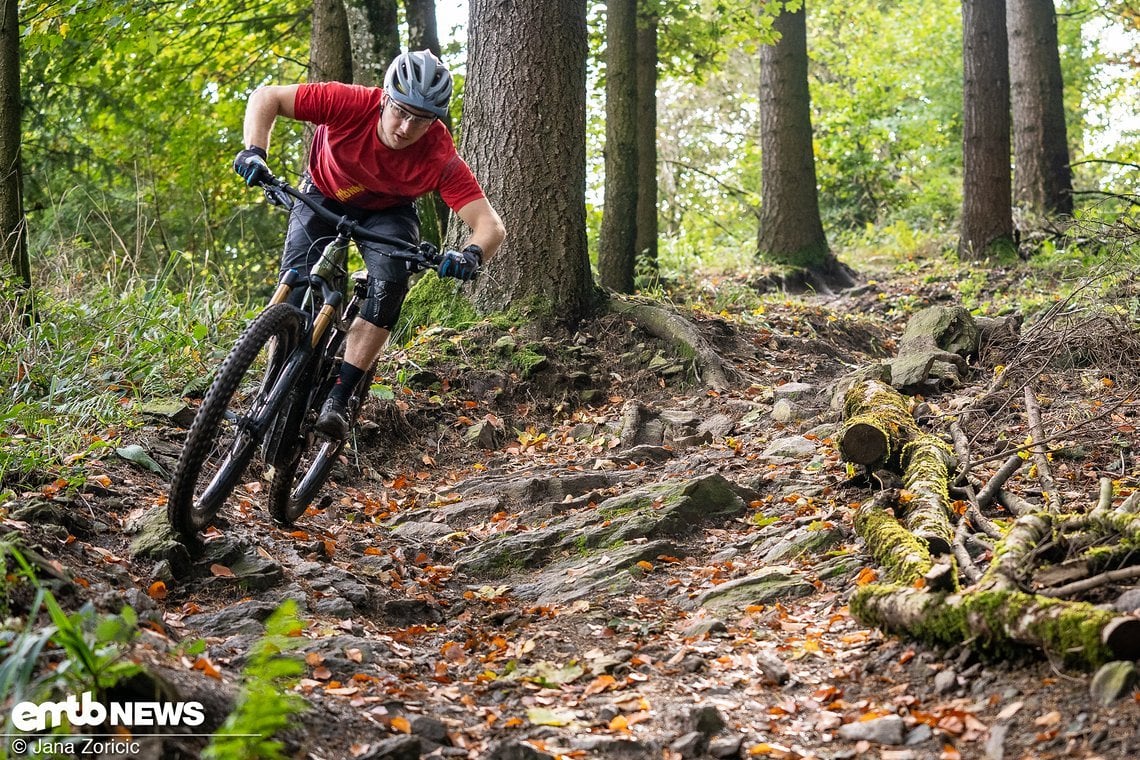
382, 306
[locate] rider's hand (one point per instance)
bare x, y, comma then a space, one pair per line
250, 166
462, 265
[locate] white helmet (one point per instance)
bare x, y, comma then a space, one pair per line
420, 80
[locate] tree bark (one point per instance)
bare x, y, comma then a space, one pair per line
791, 231
423, 31
617, 237
645, 242
423, 34
1043, 179
330, 53
987, 216
13, 225
375, 33
529, 151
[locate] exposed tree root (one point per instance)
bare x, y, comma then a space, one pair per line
678, 331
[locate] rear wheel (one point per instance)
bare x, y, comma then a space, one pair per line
232, 420
296, 483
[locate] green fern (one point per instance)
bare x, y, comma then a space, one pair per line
265, 706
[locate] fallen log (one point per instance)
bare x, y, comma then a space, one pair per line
877, 424
926, 462
1001, 623
903, 556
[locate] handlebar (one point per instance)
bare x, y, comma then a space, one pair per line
422, 256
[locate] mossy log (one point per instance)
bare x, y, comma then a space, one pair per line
927, 471
877, 424
903, 556
1001, 623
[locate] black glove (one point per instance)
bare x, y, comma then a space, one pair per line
250, 165
462, 265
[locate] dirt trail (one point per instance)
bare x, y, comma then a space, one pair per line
525, 562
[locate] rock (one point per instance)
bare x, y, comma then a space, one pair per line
240, 617
1129, 601
706, 720
945, 681
726, 747
662, 511
793, 391
785, 411
692, 744
791, 447
1112, 681
701, 627
482, 434
512, 750
432, 729
422, 532
767, 585
174, 409
396, 748
718, 426
889, 729
155, 540
920, 734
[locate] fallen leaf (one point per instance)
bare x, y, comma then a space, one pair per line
221, 571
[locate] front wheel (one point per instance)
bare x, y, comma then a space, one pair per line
232, 420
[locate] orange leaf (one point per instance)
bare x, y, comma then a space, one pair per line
400, 723
600, 684
619, 723
207, 668
866, 575
221, 571
157, 590
372, 551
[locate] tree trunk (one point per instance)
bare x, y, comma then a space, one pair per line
529, 151
987, 216
423, 31
330, 54
13, 226
423, 34
616, 252
374, 29
1043, 180
645, 242
791, 231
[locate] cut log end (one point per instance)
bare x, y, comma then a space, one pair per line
863, 444
1122, 637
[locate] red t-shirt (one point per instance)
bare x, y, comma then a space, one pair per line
350, 163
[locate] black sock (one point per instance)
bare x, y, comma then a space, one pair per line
346, 382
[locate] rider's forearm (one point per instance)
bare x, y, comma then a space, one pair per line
260, 113
487, 230
262, 109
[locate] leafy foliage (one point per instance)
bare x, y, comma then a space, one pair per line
265, 706
73, 653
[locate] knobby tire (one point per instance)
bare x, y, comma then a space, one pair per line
224, 436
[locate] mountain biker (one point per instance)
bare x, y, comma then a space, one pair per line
375, 150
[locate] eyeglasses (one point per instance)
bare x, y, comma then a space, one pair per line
414, 119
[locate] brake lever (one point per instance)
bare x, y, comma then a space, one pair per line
278, 197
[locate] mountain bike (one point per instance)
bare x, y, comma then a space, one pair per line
268, 392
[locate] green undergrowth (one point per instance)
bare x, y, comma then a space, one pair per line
73, 375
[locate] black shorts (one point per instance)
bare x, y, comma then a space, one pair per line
308, 234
